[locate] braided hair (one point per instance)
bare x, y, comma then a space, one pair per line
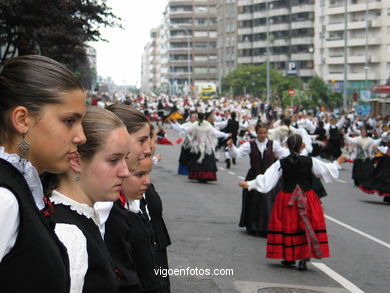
294, 143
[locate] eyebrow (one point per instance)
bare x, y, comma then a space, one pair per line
77, 115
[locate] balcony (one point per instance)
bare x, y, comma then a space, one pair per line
278, 27
306, 72
302, 8
302, 56
302, 41
245, 45
354, 8
245, 31
244, 60
279, 11
244, 16
302, 24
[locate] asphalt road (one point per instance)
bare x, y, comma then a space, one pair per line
203, 223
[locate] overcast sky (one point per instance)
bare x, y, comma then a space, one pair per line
120, 58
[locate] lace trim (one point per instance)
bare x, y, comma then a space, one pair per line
30, 174
80, 208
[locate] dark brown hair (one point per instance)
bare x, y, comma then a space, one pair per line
133, 119
260, 125
32, 81
97, 124
294, 143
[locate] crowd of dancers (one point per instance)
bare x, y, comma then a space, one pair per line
78, 210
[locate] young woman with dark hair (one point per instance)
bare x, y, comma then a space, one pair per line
297, 228
96, 174
41, 107
256, 208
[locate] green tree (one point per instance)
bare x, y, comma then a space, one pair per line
253, 80
318, 90
55, 28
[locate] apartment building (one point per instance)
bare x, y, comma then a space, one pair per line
280, 31
151, 63
227, 37
357, 30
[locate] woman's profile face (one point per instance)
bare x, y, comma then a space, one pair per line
102, 176
136, 184
55, 133
139, 144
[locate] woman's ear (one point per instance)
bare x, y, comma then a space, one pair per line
20, 119
75, 164
303, 145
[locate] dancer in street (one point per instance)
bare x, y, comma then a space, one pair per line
297, 229
256, 207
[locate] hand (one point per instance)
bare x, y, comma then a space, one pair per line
244, 184
158, 157
229, 143
341, 159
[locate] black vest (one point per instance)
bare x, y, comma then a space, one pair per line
155, 208
100, 275
117, 238
38, 261
296, 171
144, 250
260, 162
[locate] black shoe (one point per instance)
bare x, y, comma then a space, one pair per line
302, 265
227, 163
234, 161
386, 199
288, 263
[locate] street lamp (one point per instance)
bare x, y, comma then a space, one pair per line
345, 90
268, 53
188, 50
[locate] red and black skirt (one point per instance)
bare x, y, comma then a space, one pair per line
297, 227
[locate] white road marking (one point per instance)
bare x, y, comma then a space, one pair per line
358, 231
242, 178
341, 181
338, 278
231, 173
221, 168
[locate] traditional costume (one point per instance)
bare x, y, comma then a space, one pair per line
201, 144
32, 258
378, 180
297, 227
257, 207
91, 268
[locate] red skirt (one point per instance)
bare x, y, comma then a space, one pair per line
288, 236
203, 175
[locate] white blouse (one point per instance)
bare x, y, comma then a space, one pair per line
265, 182
245, 149
9, 206
74, 240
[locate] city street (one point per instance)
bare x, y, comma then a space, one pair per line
203, 223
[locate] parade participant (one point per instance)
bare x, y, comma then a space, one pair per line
201, 144
185, 154
297, 228
41, 106
232, 127
96, 174
378, 181
153, 204
256, 208
362, 165
332, 149
144, 248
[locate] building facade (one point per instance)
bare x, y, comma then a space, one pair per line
352, 40
278, 31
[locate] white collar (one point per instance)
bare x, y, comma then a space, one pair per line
133, 206
262, 143
81, 208
29, 173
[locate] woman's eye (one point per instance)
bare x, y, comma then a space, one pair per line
69, 121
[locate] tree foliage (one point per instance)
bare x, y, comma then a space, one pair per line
253, 80
55, 28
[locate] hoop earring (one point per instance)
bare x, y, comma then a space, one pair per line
23, 150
